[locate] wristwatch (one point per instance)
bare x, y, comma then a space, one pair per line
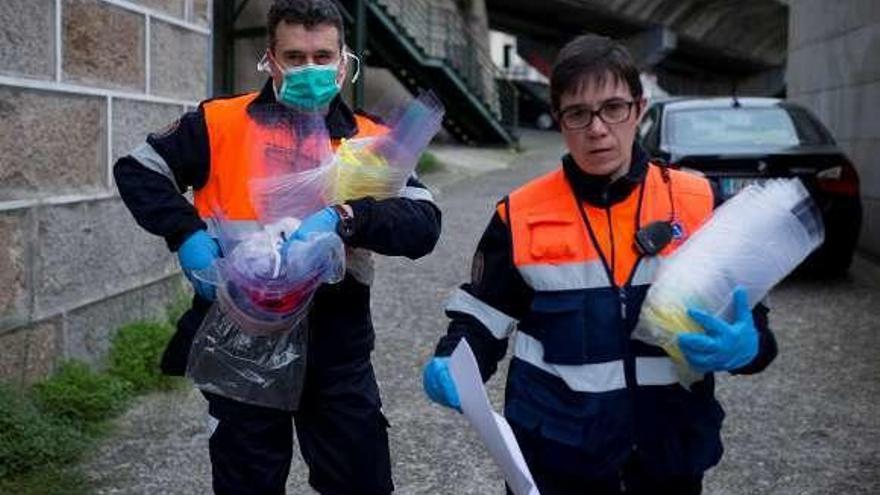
345, 227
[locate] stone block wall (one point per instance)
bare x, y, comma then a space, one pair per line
81, 83
834, 69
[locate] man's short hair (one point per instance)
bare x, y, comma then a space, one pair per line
591, 58
309, 13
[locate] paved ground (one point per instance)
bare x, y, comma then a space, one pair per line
808, 425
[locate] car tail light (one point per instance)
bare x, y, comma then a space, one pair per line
841, 179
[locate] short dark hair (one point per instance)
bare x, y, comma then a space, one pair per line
592, 58
309, 13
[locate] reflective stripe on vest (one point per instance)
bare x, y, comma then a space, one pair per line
498, 323
599, 377
241, 148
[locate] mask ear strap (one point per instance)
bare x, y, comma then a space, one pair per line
357, 71
263, 63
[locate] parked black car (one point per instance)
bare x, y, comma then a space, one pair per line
736, 142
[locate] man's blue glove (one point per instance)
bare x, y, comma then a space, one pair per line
438, 383
198, 252
322, 221
725, 346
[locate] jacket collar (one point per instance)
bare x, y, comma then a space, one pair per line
265, 109
598, 190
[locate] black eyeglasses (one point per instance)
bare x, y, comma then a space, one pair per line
580, 116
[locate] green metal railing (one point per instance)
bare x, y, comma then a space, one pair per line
442, 35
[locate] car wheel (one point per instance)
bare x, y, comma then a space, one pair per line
544, 122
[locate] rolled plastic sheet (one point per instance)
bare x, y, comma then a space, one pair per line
376, 166
753, 240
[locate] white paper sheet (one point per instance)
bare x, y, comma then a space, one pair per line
490, 426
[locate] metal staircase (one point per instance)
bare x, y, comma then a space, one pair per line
430, 47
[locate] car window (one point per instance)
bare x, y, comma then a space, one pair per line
732, 127
809, 129
647, 124
648, 128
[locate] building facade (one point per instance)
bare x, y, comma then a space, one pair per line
81, 83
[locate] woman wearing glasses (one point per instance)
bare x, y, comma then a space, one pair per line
567, 260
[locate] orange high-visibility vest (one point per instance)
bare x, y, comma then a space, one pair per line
242, 148
549, 231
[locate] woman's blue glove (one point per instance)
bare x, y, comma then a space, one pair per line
438, 383
198, 252
725, 346
323, 221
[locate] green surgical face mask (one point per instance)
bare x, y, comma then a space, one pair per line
309, 87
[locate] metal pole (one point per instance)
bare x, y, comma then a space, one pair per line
360, 46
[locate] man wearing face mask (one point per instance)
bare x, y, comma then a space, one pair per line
339, 424
566, 261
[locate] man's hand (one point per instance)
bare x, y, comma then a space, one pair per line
725, 346
198, 252
438, 383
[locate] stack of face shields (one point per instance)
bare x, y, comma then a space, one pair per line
375, 166
753, 240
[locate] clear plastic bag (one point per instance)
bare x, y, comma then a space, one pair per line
264, 283
753, 240
251, 347
262, 369
287, 170
377, 166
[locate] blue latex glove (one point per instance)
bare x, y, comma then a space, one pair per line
438, 383
323, 221
725, 346
198, 252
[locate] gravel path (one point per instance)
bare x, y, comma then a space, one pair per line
808, 425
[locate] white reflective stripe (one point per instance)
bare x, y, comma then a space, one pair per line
601, 377
568, 276
647, 270
497, 322
655, 371
232, 230
147, 156
359, 264
418, 193
212, 424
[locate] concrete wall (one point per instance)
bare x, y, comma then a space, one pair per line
834, 69
81, 83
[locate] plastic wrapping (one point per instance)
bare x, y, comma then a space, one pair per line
753, 240
262, 369
376, 166
290, 158
266, 288
251, 347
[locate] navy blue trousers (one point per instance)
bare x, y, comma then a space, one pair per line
630, 480
341, 430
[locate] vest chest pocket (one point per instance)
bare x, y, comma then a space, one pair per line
560, 320
551, 238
